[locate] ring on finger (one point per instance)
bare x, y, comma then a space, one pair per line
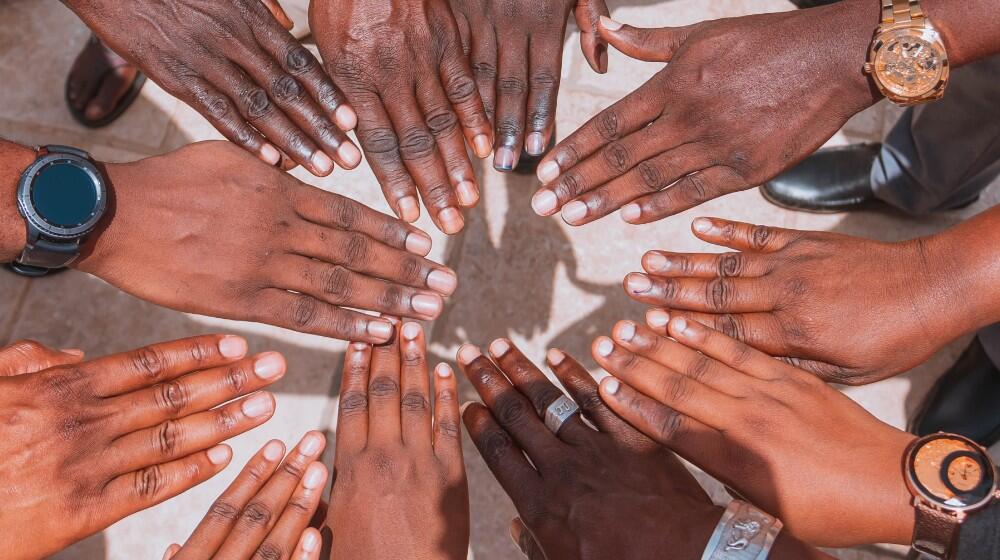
557, 413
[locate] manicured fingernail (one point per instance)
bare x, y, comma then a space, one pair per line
555, 356
702, 225
219, 454
258, 405
482, 146
270, 154
468, 194
310, 444
657, 318
349, 154
443, 371
574, 212
310, 542
499, 347
321, 162
656, 262
425, 304
273, 450
504, 159
605, 346
233, 347
411, 331
631, 212
442, 281
535, 144
77, 352
418, 243
346, 118
545, 202
269, 365
468, 354
409, 210
638, 283
451, 221
380, 329
610, 24
626, 331
611, 386
548, 172
315, 476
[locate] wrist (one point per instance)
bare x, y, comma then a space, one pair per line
850, 26
100, 243
14, 159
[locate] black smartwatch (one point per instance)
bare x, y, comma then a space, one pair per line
62, 196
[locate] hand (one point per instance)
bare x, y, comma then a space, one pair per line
240, 68
741, 100
86, 444
400, 482
779, 436
208, 230
787, 293
401, 64
28, 356
516, 51
265, 512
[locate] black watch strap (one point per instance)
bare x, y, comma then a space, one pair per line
58, 149
43, 255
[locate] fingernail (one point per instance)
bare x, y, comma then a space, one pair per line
611, 386
602, 59
273, 450
657, 318
535, 144
545, 202
631, 212
555, 356
409, 210
349, 154
610, 24
626, 331
258, 405
638, 283
515, 535
468, 194
451, 221
702, 225
359, 346
425, 304
77, 352
679, 325
346, 118
468, 354
411, 331
605, 346
443, 371
315, 477
482, 146
418, 243
310, 542
548, 172
380, 329
504, 159
321, 162
310, 444
269, 365
219, 454
233, 347
499, 347
443, 281
574, 212
657, 262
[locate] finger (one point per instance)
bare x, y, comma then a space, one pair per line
595, 48
545, 62
309, 545
512, 101
213, 529
652, 45
689, 191
279, 14
584, 390
719, 295
446, 129
733, 353
460, 87
282, 541
178, 438
304, 313
505, 460
171, 551
763, 331
509, 407
524, 541
121, 373
416, 404
28, 356
352, 409
678, 391
700, 265
447, 419
742, 236
339, 286
383, 394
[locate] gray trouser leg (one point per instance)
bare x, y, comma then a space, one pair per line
943, 154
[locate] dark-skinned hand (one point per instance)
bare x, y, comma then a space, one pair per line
235, 63
265, 513
86, 444
207, 229
741, 100
401, 65
589, 493
516, 49
400, 482
781, 437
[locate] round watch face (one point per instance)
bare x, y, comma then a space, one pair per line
65, 194
952, 472
909, 63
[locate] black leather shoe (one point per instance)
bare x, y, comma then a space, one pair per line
965, 401
812, 3
831, 180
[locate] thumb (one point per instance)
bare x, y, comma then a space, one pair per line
594, 47
28, 356
652, 45
279, 14
171, 551
524, 541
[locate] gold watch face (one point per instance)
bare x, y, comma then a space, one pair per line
910, 62
951, 471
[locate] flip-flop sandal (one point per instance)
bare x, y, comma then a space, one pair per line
103, 61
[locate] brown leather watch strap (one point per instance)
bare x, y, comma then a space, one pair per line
935, 533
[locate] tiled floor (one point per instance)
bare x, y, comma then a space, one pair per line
535, 280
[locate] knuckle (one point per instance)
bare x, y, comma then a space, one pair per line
460, 89
511, 85
300, 507
760, 237
148, 482
168, 438
669, 288
411, 271
608, 124
344, 213
569, 186
413, 357
225, 420
508, 128
354, 402
675, 388
448, 428
695, 187
414, 402
719, 294
617, 157
222, 512
668, 425
149, 362
171, 397
256, 103
236, 379
699, 367
730, 325
383, 387
741, 356
484, 70
417, 143
336, 284
357, 249
379, 140
442, 123
653, 178
303, 311
511, 411
730, 264
299, 60
286, 88
495, 443
392, 297
256, 514
269, 551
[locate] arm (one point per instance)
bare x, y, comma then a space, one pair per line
13, 160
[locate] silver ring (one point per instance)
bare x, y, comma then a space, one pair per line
559, 412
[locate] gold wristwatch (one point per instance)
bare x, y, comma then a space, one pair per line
907, 58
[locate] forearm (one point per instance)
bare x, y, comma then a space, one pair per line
14, 159
787, 547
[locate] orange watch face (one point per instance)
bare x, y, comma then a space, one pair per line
909, 63
952, 472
